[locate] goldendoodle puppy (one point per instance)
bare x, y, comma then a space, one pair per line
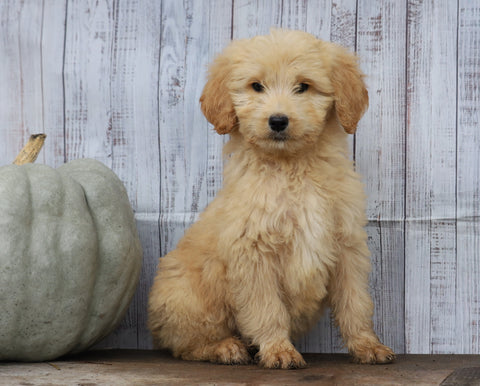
285, 236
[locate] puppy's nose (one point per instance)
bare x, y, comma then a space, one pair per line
278, 122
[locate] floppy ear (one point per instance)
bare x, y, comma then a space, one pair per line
215, 101
351, 95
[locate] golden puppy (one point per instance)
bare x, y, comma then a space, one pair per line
284, 237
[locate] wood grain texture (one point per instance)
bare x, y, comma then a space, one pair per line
187, 171
135, 142
251, 17
52, 54
31, 95
380, 158
430, 227
21, 96
467, 305
305, 16
119, 81
87, 76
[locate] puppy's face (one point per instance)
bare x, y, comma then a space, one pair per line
281, 98
279, 90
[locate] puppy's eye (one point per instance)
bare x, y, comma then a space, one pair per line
258, 87
302, 87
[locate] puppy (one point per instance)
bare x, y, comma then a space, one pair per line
285, 236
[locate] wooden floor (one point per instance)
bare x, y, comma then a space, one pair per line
131, 367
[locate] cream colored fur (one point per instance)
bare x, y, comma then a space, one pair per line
285, 236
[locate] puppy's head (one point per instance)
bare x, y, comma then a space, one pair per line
279, 90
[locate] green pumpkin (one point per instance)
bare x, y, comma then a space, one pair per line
70, 258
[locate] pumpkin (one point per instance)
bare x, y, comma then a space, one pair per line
70, 258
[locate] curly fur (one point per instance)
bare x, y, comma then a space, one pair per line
285, 235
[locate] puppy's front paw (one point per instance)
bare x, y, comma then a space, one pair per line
281, 356
374, 354
230, 351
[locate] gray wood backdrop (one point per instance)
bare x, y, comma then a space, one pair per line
119, 81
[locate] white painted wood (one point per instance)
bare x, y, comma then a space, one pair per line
431, 178
135, 142
119, 81
305, 16
251, 17
467, 306
31, 52
380, 158
187, 167
51, 52
21, 97
87, 79
144, 124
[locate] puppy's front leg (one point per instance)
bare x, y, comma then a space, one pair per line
352, 306
261, 315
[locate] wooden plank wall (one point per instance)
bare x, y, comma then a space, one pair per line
119, 81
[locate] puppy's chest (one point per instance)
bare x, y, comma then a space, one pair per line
290, 218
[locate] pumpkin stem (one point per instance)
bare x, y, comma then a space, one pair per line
30, 151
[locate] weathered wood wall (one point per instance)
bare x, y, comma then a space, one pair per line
119, 81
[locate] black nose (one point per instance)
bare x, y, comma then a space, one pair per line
278, 122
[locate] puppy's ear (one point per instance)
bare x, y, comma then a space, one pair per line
215, 101
351, 95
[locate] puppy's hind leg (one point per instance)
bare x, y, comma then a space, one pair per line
352, 305
183, 321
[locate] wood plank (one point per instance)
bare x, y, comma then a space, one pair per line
431, 178
306, 16
52, 52
343, 31
139, 367
135, 144
87, 74
251, 18
468, 177
343, 23
379, 156
91, 99
22, 98
219, 36
97, 114
189, 149
145, 123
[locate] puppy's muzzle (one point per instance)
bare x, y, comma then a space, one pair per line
278, 122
